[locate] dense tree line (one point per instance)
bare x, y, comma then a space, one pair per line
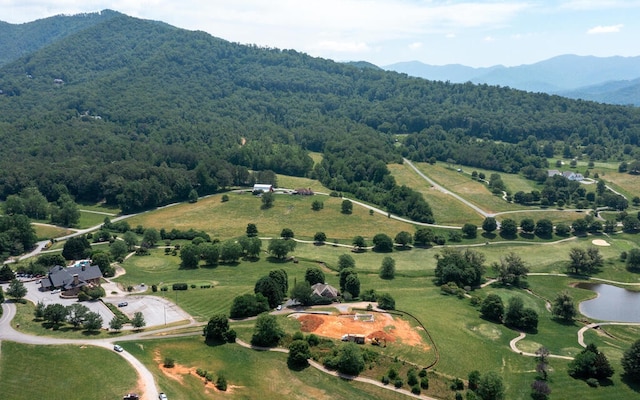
140, 114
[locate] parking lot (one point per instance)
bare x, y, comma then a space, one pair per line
156, 310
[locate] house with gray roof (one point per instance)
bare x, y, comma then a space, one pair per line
71, 279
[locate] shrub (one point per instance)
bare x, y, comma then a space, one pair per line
164, 289
179, 286
393, 374
415, 389
385, 380
154, 288
412, 377
457, 384
313, 340
221, 383
398, 383
424, 382
225, 198
82, 296
593, 382
169, 362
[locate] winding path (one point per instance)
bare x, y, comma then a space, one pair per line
337, 374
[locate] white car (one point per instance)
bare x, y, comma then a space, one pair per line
162, 396
118, 348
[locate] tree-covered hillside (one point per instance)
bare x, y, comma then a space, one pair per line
140, 113
17, 40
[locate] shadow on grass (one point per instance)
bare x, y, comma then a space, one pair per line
276, 260
564, 322
90, 333
489, 235
508, 236
634, 385
528, 236
403, 248
297, 366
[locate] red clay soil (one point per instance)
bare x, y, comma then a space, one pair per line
383, 327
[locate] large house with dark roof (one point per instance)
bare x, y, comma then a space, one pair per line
71, 279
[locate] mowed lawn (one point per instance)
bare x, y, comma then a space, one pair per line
44, 232
250, 374
462, 184
446, 210
229, 219
63, 372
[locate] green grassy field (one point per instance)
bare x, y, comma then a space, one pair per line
44, 232
230, 219
249, 374
454, 324
63, 372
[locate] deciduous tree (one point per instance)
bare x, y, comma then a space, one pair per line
267, 331
138, 321
388, 268
382, 243
16, 289
631, 362
346, 261
299, 354
314, 275
563, 306
492, 308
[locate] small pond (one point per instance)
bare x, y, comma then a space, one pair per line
612, 304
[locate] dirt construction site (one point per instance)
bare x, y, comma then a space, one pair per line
375, 325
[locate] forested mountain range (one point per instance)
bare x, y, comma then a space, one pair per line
17, 40
603, 79
140, 113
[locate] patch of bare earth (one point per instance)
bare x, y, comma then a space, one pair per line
178, 372
383, 327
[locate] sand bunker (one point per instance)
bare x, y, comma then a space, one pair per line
383, 327
600, 242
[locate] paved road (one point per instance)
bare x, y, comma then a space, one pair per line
448, 192
146, 379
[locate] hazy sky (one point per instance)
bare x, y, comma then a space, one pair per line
471, 32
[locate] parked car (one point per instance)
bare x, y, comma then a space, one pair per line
55, 291
162, 396
118, 348
131, 396
123, 304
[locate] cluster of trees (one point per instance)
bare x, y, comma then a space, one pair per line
591, 364
60, 207
76, 314
228, 251
515, 315
16, 235
463, 268
217, 330
274, 287
563, 192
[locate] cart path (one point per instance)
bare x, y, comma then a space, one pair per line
337, 374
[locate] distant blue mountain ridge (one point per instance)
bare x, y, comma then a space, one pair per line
614, 80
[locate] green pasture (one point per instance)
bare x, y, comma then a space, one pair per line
90, 219
44, 232
229, 219
462, 184
63, 372
101, 208
446, 211
249, 373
